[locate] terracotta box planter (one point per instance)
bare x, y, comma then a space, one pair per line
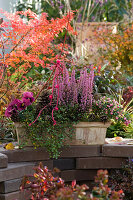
86, 133
90, 133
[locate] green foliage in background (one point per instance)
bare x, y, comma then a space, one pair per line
101, 10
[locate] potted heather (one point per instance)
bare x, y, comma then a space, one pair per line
93, 116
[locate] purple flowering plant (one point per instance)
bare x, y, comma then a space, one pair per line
17, 105
74, 91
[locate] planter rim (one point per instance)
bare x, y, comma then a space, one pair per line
93, 124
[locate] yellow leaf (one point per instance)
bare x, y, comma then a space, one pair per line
9, 146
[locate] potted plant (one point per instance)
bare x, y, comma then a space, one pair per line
51, 120
14, 110
92, 117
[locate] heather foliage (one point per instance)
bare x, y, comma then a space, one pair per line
45, 185
76, 91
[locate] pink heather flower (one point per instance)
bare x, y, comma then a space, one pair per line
85, 88
73, 86
116, 117
72, 91
90, 85
124, 118
27, 98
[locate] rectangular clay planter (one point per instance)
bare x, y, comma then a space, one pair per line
90, 133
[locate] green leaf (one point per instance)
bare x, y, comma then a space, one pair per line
104, 66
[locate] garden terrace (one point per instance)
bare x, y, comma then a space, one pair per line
75, 162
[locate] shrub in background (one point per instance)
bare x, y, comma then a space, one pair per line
100, 10
118, 49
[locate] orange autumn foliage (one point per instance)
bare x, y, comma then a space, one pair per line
35, 37
118, 48
31, 45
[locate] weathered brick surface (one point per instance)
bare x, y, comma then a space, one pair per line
80, 151
64, 164
27, 154
99, 163
48, 163
10, 186
116, 150
76, 162
78, 175
16, 170
3, 160
15, 196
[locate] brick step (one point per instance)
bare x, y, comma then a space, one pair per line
78, 175
10, 186
116, 150
100, 163
15, 196
3, 161
16, 170
30, 154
